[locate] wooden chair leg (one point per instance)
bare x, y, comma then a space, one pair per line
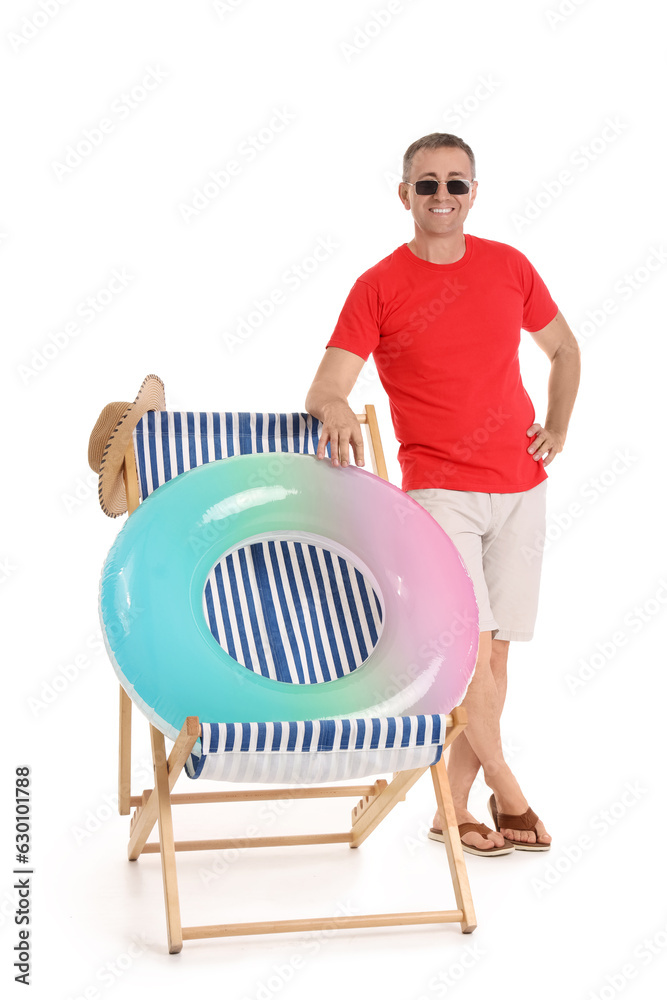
370, 812
167, 852
450, 829
146, 814
124, 754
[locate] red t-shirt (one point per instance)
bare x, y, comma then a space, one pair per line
445, 338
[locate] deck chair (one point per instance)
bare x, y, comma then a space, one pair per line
164, 445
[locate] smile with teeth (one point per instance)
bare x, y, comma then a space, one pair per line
441, 211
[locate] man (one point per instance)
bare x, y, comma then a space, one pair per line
442, 316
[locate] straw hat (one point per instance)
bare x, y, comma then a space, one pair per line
110, 437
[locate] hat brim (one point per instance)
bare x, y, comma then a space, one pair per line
111, 487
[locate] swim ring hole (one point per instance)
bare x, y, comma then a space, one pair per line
294, 609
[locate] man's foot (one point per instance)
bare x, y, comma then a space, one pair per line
482, 843
510, 800
535, 837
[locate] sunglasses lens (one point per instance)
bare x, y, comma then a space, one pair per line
458, 187
426, 187
454, 187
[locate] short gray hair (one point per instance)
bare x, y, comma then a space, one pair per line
436, 140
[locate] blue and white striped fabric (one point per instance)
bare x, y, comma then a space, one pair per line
168, 443
292, 611
289, 610
318, 750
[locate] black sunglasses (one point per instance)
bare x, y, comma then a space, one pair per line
455, 186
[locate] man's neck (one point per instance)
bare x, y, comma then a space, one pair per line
439, 249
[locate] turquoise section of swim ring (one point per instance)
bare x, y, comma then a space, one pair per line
152, 582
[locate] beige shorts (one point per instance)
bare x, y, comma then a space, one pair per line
500, 537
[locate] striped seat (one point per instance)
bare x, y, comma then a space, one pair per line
319, 750
289, 610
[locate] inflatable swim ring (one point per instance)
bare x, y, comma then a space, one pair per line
153, 579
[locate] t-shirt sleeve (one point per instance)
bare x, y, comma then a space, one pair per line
538, 306
358, 326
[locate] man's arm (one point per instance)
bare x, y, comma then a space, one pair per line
327, 400
561, 347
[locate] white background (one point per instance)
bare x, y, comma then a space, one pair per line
533, 93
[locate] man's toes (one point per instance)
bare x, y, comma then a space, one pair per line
495, 839
542, 836
527, 836
520, 836
478, 841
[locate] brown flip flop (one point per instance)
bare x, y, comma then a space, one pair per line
474, 828
526, 821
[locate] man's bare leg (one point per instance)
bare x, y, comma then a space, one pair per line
487, 697
463, 763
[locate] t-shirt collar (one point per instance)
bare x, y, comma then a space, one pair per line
406, 252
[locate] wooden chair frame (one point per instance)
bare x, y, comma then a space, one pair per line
376, 801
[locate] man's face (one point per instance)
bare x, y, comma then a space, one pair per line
439, 213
